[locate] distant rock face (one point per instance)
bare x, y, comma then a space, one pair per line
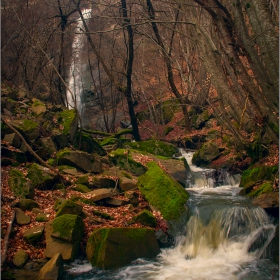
115, 247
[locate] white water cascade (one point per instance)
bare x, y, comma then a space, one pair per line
78, 66
225, 238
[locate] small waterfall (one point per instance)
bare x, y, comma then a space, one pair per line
226, 237
78, 66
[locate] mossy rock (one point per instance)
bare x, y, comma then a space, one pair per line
163, 192
20, 186
146, 218
266, 187
41, 177
207, 153
88, 144
68, 119
83, 180
82, 188
82, 199
108, 141
154, 147
33, 235
262, 173
26, 204
115, 247
69, 207
121, 158
102, 215
68, 227
20, 258
28, 128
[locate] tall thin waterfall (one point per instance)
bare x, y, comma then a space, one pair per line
78, 66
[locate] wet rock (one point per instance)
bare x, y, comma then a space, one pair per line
115, 247
207, 153
53, 269
20, 258
33, 235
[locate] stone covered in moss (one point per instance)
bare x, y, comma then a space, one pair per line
41, 177
68, 119
250, 176
28, 128
26, 204
154, 147
20, 186
68, 227
115, 247
82, 188
69, 207
20, 258
88, 144
265, 187
121, 158
207, 153
163, 192
33, 235
38, 107
146, 218
81, 160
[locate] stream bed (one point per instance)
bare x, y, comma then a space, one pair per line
226, 237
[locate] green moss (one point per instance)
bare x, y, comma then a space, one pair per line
146, 218
275, 127
28, 125
163, 192
82, 199
154, 147
121, 158
266, 187
37, 103
126, 175
102, 215
62, 153
66, 119
81, 188
51, 162
250, 176
108, 141
68, 227
69, 207
19, 184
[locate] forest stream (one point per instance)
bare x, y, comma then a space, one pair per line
226, 237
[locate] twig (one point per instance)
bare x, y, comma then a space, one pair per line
6, 239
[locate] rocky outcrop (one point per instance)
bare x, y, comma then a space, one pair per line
115, 247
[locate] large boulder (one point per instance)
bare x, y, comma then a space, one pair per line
63, 235
207, 153
20, 186
53, 269
41, 177
81, 160
115, 247
166, 195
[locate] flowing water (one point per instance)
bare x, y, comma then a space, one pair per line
77, 71
226, 237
